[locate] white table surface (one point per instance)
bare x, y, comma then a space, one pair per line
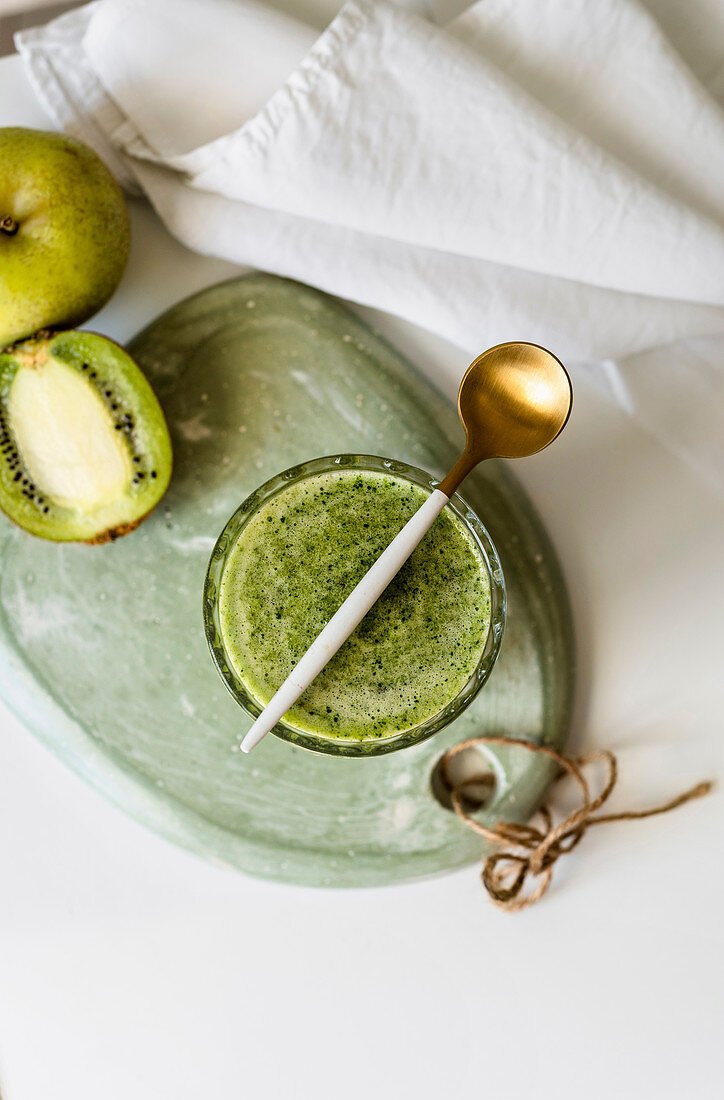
121, 971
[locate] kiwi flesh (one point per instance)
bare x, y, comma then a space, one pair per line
85, 453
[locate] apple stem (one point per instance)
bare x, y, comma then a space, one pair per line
9, 225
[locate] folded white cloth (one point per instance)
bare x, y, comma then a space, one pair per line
546, 170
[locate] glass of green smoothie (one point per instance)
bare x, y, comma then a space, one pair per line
290, 555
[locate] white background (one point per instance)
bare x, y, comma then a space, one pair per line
125, 970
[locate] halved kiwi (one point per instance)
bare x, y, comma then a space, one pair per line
85, 453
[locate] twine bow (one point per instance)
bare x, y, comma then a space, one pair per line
531, 852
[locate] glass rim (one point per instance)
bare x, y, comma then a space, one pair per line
339, 746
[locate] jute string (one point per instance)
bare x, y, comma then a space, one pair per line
528, 852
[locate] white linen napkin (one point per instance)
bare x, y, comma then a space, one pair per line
546, 170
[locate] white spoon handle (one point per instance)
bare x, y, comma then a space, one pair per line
349, 615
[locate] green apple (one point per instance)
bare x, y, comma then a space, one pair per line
64, 233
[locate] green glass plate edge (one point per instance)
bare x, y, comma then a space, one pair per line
117, 780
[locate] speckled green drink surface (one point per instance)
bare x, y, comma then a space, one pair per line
298, 558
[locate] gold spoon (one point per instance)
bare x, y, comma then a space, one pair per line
513, 401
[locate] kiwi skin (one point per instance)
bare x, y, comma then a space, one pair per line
118, 532
143, 424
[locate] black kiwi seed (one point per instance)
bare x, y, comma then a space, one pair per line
153, 473
136, 458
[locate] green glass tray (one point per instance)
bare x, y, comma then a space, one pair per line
102, 649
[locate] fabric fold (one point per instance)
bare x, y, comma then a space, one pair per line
478, 179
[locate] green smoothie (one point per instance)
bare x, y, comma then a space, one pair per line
294, 563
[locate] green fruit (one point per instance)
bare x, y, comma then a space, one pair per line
85, 453
64, 233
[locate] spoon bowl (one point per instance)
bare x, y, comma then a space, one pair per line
513, 401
